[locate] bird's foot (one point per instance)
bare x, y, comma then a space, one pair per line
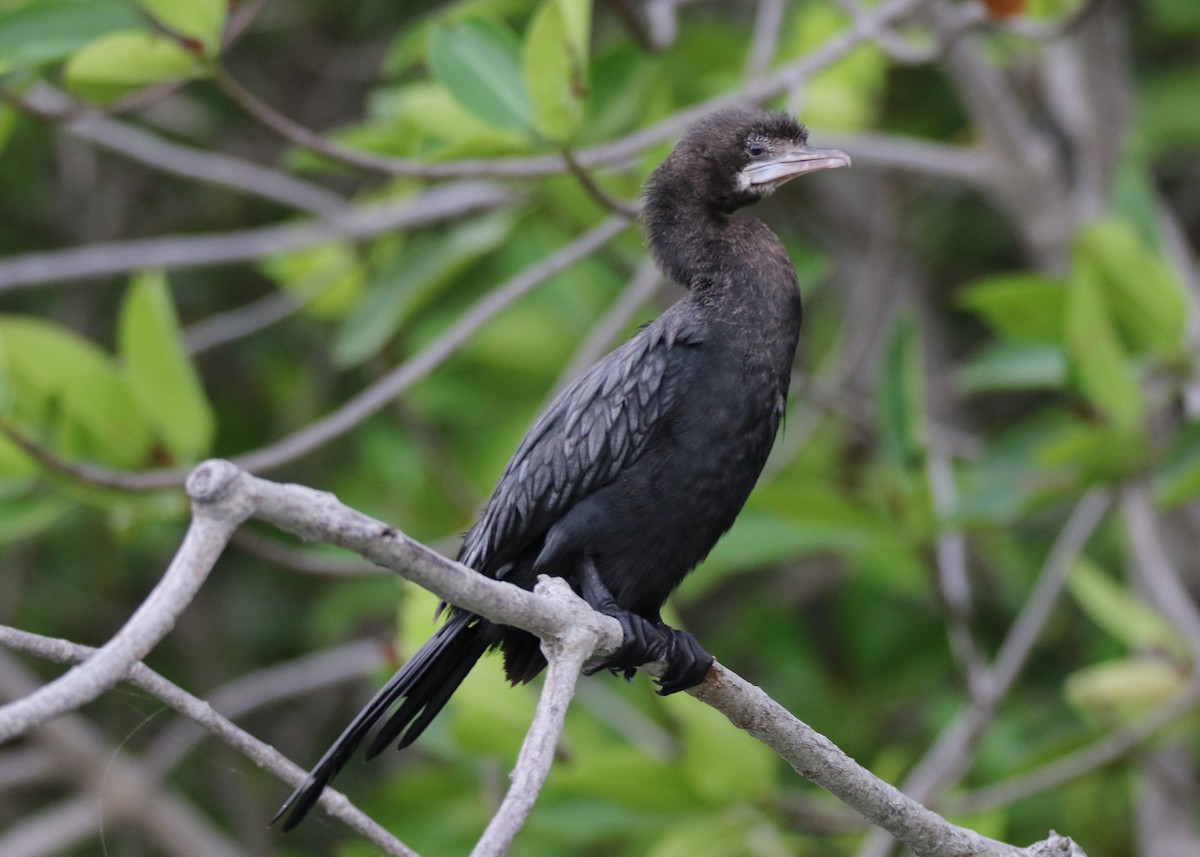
643, 643
687, 662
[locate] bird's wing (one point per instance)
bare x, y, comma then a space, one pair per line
595, 428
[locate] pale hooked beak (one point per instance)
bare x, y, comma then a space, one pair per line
773, 172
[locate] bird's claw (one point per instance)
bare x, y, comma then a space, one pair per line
687, 662
643, 643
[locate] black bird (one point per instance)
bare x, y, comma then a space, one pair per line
636, 469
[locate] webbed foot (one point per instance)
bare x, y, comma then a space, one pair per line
643, 642
687, 662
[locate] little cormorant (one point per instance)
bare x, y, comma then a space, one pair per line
634, 471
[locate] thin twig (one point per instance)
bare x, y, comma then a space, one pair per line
153, 619
950, 756
610, 154
51, 831
599, 194
121, 788
1081, 762
225, 327
768, 21
185, 251
198, 710
642, 285
565, 657
1161, 581
209, 167
367, 403
304, 560
951, 551
344, 664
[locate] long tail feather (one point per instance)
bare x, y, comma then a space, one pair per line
424, 684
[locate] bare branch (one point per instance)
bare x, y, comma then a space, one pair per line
599, 194
953, 580
263, 755
21, 768
150, 623
208, 167
121, 787
645, 281
183, 251
950, 756
1074, 765
360, 407
565, 656
1156, 572
303, 560
768, 21
340, 665
51, 831
972, 165
815, 757
245, 320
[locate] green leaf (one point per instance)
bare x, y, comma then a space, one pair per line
414, 277
1178, 479
69, 394
328, 277
1014, 366
1099, 452
118, 63
845, 95
201, 20
1118, 692
1148, 306
902, 394
161, 375
1024, 307
554, 58
52, 30
1098, 361
27, 517
1123, 616
477, 61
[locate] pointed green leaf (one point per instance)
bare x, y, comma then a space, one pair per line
902, 394
1178, 479
67, 393
201, 20
160, 373
1148, 305
554, 58
27, 517
1120, 691
1024, 307
1123, 616
415, 276
1014, 366
477, 61
51, 30
1102, 371
118, 63
327, 277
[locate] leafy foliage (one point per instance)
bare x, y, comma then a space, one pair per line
1061, 376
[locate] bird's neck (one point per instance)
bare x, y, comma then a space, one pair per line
713, 251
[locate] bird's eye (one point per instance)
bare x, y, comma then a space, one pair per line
756, 148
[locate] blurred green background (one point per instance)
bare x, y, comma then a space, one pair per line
999, 319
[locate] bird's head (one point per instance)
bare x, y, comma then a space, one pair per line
735, 157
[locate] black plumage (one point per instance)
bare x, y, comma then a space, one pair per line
634, 471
